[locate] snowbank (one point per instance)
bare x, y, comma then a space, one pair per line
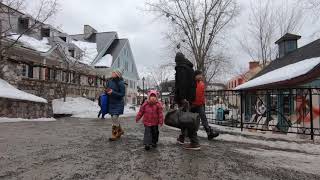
278, 144
32, 43
306, 147
82, 108
74, 106
105, 61
285, 73
89, 49
8, 120
10, 92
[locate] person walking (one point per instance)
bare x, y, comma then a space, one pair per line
116, 92
103, 103
185, 92
152, 113
198, 105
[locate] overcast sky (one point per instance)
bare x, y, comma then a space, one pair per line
145, 35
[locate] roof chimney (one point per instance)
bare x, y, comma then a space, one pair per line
88, 31
287, 44
253, 65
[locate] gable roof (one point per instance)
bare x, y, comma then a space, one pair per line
306, 52
103, 41
288, 36
116, 47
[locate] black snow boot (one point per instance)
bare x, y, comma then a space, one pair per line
212, 134
147, 147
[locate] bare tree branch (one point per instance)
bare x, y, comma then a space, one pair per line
195, 26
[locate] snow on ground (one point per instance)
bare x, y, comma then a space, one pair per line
89, 49
7, 120
82, 108
288, 160
10, 92
264, 134
282, 74
32, 43
105, 61
305, 147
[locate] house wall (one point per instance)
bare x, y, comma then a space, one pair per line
24, 109
126, 62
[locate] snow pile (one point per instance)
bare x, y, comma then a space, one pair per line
10, 92
105, 61
8, 120
89, 49
285, 73
32, 43
82, 108
74, 106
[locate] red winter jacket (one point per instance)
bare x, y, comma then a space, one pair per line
152, 114
200, 96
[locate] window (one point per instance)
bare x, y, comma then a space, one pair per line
63, 38
71, 52
132, 68
27, 70
126, 66
23, 24
119, 63
45, 32
24, 71
52, 74
291, 46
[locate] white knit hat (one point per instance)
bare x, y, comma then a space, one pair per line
118, 72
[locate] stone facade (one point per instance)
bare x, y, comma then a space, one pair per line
24, 109
55, 90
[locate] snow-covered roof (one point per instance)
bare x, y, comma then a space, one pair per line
89, 49
32, 43
105, 61
285, 73
10, 92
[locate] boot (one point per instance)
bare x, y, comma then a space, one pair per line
212, 134
115, 133
121, 132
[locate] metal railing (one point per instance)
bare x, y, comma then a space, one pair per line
278, 110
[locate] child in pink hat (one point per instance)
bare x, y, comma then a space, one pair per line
152, 113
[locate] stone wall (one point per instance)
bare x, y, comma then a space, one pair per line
24, 109
55, 90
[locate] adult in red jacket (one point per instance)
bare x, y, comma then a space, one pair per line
198, 105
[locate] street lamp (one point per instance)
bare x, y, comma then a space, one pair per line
143, 79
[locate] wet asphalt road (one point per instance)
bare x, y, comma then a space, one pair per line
79, 149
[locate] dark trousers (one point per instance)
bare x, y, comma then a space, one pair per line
192, 135
151, 135
204, 121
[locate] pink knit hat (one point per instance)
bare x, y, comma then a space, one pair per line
155, 92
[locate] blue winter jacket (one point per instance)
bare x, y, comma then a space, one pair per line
116, 99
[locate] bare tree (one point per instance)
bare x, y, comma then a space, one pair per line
313, 5
269, 20
161, 74
195, 26
11, 8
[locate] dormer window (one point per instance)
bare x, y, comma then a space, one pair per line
45, 32
23, 24
71, 52
63, 38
